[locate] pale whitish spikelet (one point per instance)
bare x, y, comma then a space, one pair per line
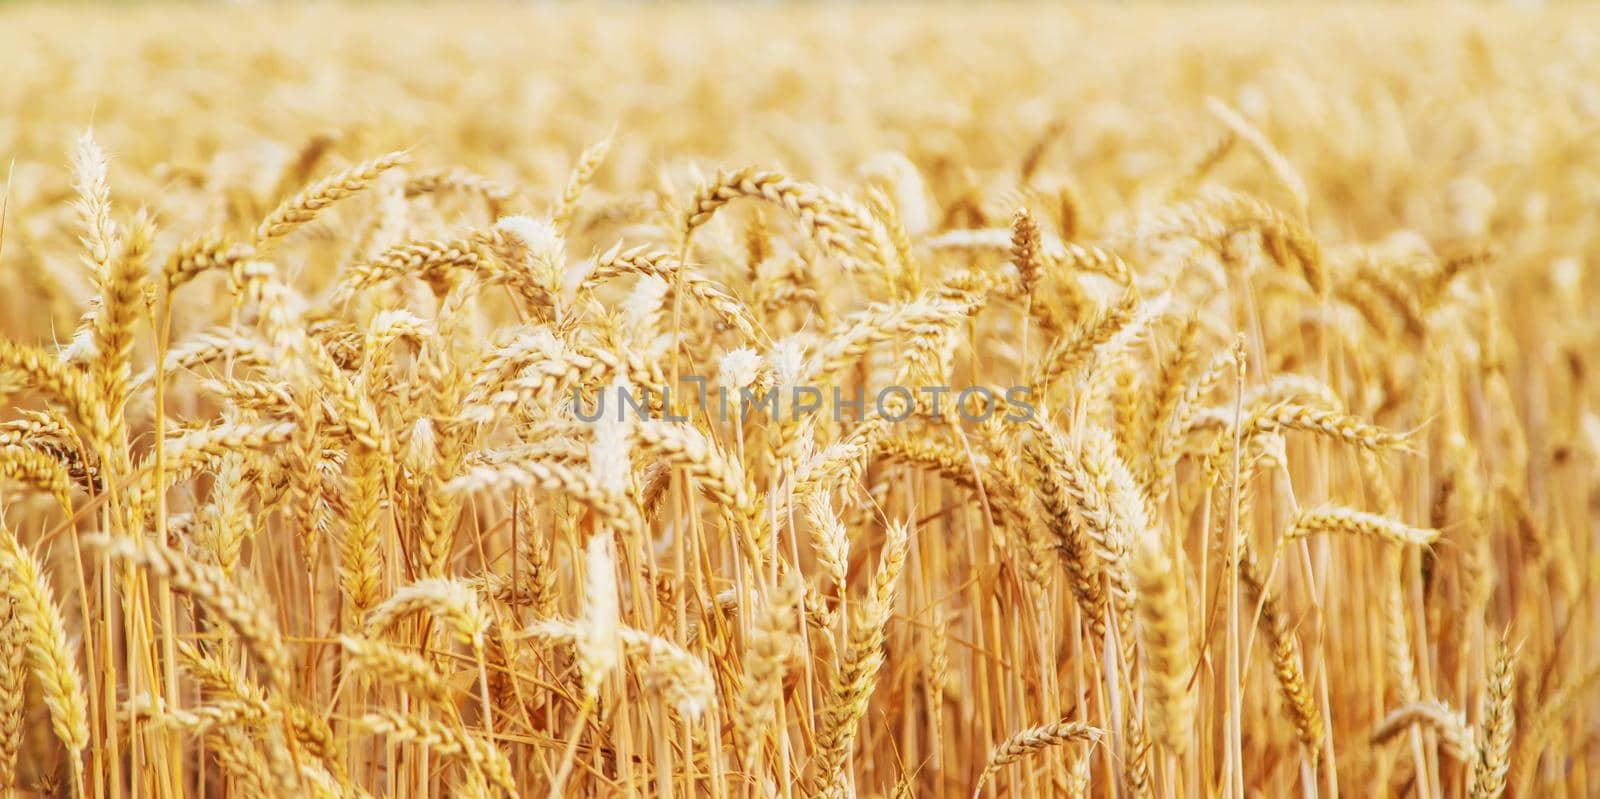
574, 277
610, 458
386, 326
739, 369
980, 239
833, 540
905, 181
90, 166
81, 349
643, 305
90, 169
599, 644
1566, 274
1471, 206
421, 451
391, 218
788, 358
541, 239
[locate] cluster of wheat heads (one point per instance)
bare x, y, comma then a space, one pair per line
299, 494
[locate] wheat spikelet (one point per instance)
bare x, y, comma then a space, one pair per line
452, 601
1102, 336
582, 173
1455, 737
71, 386
1033, 739
855, 677
891, 564
845, 347
90, 168
256, 395
1331, 519
664, 265
50, 656
682, 679
1060, 491
304, 206
429, 260
200, 720
1217, 213
241, 760
1333, 424
1164, 638
1287, 664
773, 641
838, 224
908, 270
213, 345
482, 755
1495, 729
1239, 127
37, 468
13, 675
856, 674
215, 675
186, 453
1090, 258
458, 179
832, 538
360, 561
720, 477
572, 483
1025, 249
1126, 507
209, 588
393, 665
121, 293
197, 256
1397, 638
599, 641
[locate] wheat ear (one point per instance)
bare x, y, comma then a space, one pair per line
1033, 739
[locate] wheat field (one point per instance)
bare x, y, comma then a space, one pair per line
1142, 401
